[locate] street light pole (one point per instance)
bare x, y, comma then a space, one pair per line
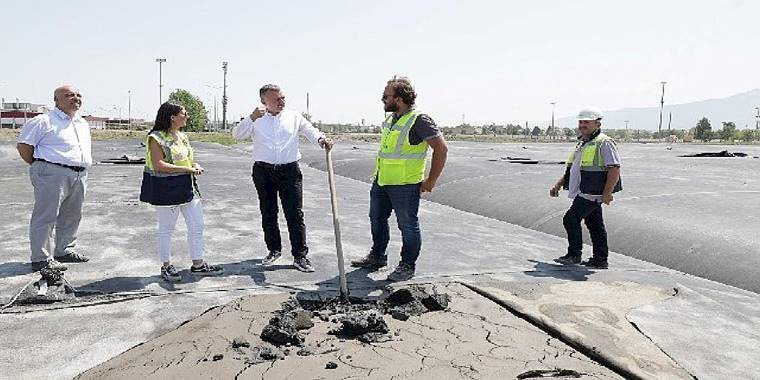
160, 81
129, 112
553, 130
662, 104
224, 96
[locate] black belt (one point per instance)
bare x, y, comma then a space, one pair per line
74, 168
275, 166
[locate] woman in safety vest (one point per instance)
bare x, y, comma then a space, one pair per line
169, 184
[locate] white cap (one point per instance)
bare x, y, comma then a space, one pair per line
590, 113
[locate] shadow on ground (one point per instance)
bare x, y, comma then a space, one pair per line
558, 271
15, 268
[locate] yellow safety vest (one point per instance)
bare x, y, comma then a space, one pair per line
593, 168
168, 189
398, 161
176, 151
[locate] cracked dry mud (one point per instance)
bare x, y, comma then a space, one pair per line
474, 338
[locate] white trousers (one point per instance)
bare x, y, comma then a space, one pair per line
167, 220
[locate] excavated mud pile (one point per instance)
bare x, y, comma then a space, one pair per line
362, 319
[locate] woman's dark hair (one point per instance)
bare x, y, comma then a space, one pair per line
164, 116
403, 89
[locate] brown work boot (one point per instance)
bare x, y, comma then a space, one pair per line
370, 261
403, 272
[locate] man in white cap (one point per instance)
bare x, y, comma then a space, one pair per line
592, 175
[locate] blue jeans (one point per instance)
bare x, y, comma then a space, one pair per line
404, 200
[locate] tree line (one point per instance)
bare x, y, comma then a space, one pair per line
198, 120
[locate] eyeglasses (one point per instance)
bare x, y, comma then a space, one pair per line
387, 96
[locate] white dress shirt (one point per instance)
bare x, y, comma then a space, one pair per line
58, 138
275, 137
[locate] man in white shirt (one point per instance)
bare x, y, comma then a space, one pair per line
57, 147
274, 131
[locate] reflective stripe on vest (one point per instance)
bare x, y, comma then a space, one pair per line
592, 159
173, 152
592, 167
399, 162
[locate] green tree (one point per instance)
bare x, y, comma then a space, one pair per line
703, 130
747, 135
514, 129
196, 111
569, 133
680, 133
728, 131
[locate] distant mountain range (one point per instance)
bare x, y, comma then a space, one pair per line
739, 108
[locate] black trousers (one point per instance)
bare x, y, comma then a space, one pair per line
591, 213
286, 182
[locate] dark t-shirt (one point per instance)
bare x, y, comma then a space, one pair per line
424, 128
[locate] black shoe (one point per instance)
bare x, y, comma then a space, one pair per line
271, 258
568, 259
206, 269
73, 257
52, 264
596, 263
170, 274
403, 272
370, 261
303, 264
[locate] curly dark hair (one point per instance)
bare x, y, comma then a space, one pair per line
164, 115
402, 88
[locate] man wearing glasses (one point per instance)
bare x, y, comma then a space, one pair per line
57, 147
399, 177
275, 132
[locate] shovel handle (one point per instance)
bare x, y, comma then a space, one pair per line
336, 225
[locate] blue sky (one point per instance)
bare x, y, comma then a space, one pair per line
491, 61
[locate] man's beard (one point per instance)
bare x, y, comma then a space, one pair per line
391, 107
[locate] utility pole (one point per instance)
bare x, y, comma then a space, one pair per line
662, 104
553, 130
129, 112
224, 96
670, 119
160, 81
307, 104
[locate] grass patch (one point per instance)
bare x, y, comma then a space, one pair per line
214, 137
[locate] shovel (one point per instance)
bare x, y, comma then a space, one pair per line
336, 226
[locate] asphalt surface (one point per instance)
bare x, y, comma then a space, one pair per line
696, 215
129, 304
